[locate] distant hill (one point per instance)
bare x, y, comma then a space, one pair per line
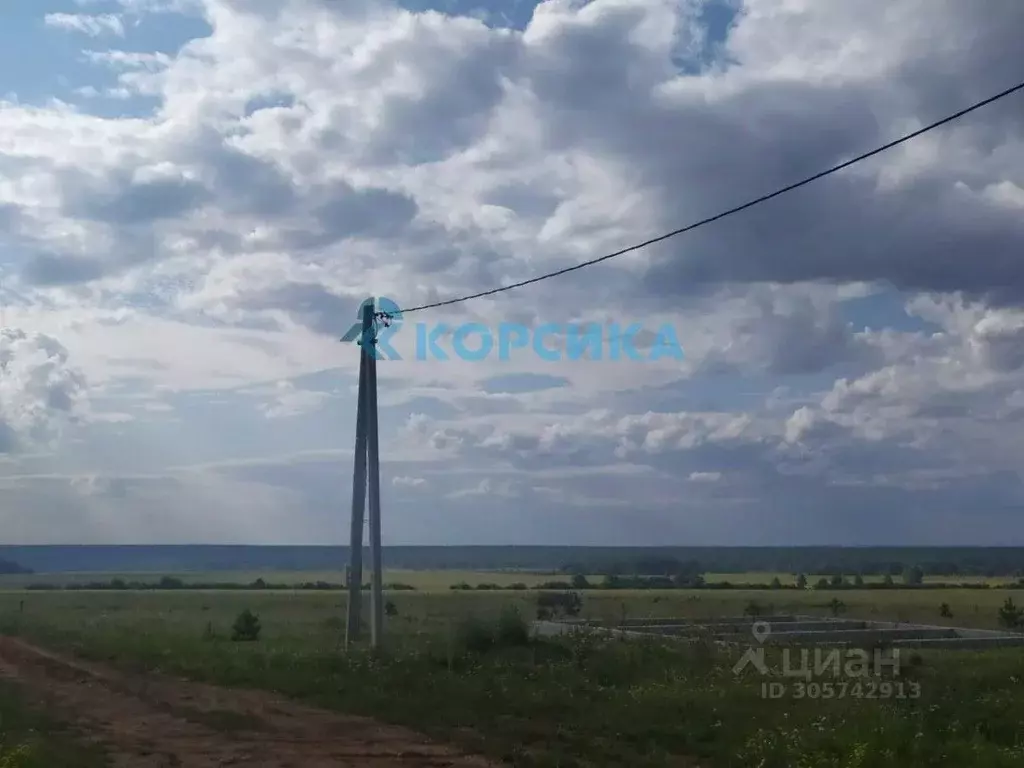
166, 559
6, 566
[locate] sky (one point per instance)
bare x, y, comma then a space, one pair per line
197, 195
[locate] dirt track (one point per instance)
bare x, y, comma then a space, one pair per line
151, 722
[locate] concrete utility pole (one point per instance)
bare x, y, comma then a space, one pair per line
366, 477
376, 588
353, 627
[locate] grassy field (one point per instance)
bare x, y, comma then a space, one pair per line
29, 738
456, 666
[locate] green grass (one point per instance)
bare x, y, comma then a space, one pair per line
970, 607
571, 703
31, 739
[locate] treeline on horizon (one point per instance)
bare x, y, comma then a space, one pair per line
874, 561
667, 573
912, 578
174, 583
911, 568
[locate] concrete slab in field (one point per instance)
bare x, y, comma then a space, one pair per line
792, 630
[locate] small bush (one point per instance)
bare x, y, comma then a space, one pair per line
474, 636
552, 604
512, 628
1010, 615
836, 606
390, 609
246, 627
945, 611
21, 756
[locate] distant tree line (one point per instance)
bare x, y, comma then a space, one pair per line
940, 561
876, 561
666, 573
174, 583
910, 573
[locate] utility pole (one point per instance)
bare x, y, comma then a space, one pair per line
376, 588
366, 477
353, 627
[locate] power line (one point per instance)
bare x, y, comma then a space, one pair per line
731, 211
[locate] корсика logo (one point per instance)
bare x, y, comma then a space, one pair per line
548, 341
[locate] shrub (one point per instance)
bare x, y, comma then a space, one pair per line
913, 576
552, 604
836, 606
945, 612
512, 628
21, 756
474, 636
246, 627
1010, 615
555, 585
390, 609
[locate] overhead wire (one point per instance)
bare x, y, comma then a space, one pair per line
703, 222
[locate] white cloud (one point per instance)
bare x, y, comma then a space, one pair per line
39, 389
306, 154
91, 25
287, 400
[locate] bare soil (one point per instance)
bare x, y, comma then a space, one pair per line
158, 722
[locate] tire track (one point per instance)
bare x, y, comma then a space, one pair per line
158, 722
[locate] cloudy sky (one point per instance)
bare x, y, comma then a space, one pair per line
196, 195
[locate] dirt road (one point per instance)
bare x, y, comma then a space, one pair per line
153, 722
